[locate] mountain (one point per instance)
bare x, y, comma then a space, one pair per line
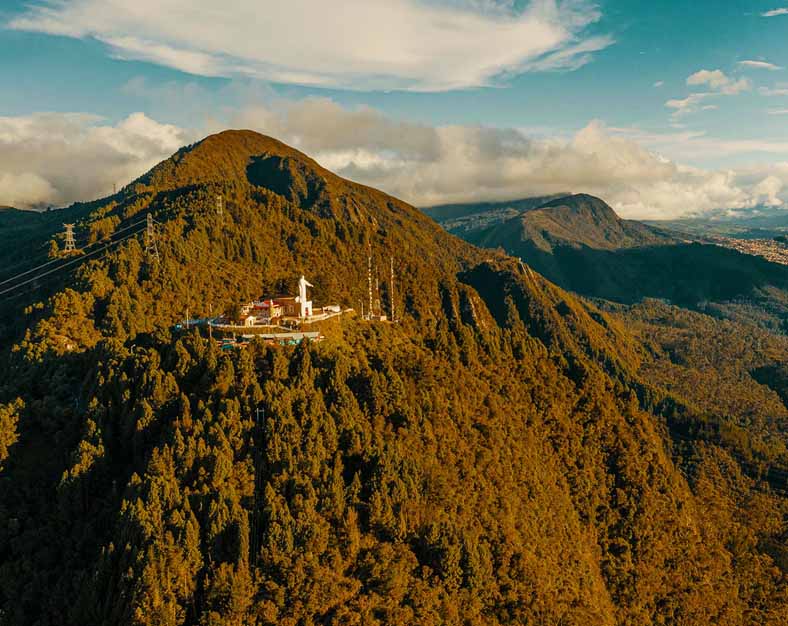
580, 243
577, 221
506, 453
470, 217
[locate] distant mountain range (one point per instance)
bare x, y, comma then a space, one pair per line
579, 242
578, 221
756, 223
469, 215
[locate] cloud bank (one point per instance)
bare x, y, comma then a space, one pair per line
53, 159
59, 158
359, 44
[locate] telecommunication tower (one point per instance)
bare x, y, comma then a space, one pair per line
369, 282
391, 295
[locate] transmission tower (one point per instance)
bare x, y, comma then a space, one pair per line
71, 245
151, 250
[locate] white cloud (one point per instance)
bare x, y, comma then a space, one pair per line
698, 146
775, 12
691, 104
718, 84
719, 81
362, 44
24, 190
761, 65
58, 158
778, 90
767, 191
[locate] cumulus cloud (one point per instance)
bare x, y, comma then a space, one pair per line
767, 191
58, 158
720, 82
775, 12
363, 44
761, 65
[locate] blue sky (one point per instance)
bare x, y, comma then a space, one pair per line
699, 85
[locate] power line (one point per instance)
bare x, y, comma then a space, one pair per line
48, 263
13, 278
69, 263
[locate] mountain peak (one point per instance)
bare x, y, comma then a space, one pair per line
583, 203
234, 155
577, 221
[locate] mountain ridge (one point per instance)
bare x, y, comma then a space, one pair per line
577, 220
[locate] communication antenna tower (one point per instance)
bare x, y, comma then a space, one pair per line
393, 319
71, 245
151, 250
369, 281
377, 290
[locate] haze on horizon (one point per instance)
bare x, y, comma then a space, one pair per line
663, 110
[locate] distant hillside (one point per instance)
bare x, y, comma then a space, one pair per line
757, 223
450, 212
580, 243
578, 221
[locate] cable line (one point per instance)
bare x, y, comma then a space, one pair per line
72, 262
48, 263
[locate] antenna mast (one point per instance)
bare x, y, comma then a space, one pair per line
377, 290
393, 319
151, 250
71, 245
369, 281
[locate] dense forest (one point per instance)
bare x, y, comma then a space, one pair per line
507, 453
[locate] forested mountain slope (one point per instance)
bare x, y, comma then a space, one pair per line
466, 219
578, 221
497, 457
